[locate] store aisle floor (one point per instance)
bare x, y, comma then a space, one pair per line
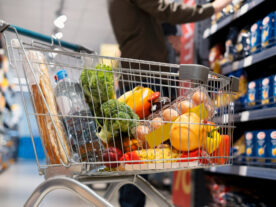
19, 180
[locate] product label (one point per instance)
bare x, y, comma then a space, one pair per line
64, 105
255, 39
249, 144
274, 88
261, 144
266, 30
272, 144
265, 91
252, 93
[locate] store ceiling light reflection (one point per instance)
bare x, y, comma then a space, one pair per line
60, 21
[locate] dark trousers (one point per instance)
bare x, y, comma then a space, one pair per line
131, 196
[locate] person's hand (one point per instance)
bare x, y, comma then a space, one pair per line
220, 4
175, 42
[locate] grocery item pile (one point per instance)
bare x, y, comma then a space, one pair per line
85, 122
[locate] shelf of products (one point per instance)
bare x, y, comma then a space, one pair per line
257, 114
249, 171
9, 115
227, 20
250, 60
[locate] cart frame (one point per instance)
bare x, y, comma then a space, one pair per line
60, 177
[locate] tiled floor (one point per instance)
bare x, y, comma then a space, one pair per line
19, 180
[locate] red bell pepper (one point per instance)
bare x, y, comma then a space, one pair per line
130, 156
223, 150
195, 153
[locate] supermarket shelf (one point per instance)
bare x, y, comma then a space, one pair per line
244, 9
250, 60
248, 171
257, 114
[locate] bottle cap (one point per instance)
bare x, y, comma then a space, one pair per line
61, 74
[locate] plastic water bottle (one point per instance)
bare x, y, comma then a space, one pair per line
78, 119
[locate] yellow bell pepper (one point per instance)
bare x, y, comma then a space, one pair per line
127, 95
139, 100
213, 139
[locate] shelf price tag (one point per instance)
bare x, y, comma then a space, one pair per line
243, 9
206, 33
243, 170
225, 118
235, 65
244, 116
214, 28
247, 61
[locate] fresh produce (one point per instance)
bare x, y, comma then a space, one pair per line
141, 131
187, 132
169, 114
184, 106
199, 97
130, 156
212, 140
195, 154
123, 120
112, 154
98, 86
127, 95
133, 144
223, 150
153, 155
156, 123
140, 100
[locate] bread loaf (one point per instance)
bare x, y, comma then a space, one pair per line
51, 128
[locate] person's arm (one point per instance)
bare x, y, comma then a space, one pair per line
179, 13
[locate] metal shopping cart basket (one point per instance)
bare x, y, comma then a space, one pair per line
105, 119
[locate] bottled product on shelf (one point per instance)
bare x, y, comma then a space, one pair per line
81, 129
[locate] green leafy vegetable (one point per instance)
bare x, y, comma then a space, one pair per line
123, 120
98, 86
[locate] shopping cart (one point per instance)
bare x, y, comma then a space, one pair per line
135, 117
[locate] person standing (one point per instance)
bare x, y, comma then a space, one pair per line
137, 25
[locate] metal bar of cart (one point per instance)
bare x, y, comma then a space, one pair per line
68, 184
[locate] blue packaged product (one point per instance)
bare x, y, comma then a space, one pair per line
250, 144
265, 90
272, 144
261, 144
268, 30
273, 88
252, 93
255, 37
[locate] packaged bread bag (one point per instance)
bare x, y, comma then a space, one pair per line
51, 128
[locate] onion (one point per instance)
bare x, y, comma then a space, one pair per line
169, 114
156, 123
141, 132
184, 106
199, 97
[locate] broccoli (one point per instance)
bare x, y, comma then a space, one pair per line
97, 86
123, 120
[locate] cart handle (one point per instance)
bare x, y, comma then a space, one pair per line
29, 33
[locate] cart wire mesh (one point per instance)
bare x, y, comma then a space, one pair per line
103, 115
